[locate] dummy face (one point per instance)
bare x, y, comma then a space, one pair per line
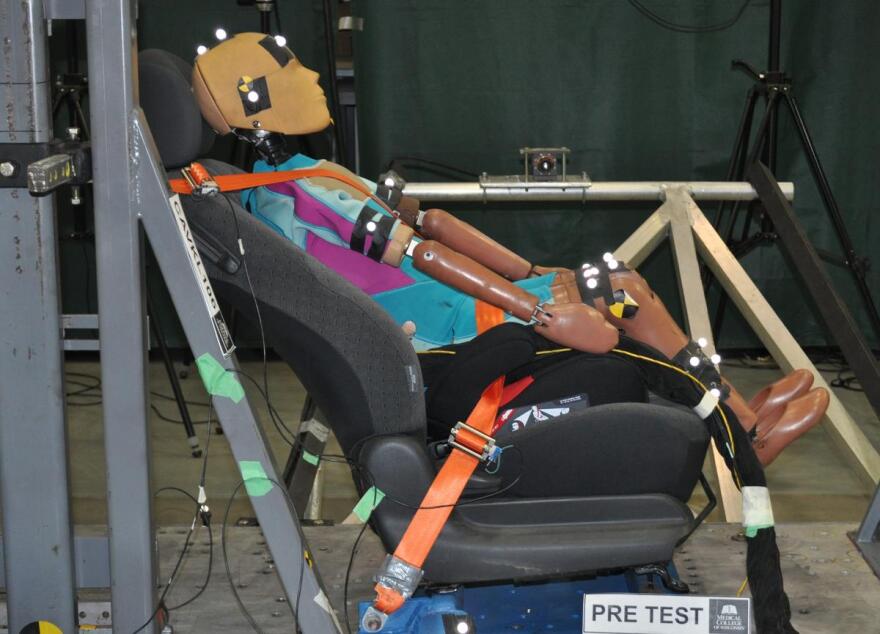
304, 107
250, 82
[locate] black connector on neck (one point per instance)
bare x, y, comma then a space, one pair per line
270, 147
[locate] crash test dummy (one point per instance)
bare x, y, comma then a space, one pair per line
428, 268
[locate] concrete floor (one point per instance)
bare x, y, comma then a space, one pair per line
811, 480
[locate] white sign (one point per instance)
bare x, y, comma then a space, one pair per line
665, 614
224, 338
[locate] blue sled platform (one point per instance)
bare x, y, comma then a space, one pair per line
554, 606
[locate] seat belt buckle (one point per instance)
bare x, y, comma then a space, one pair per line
199, 180
472, 441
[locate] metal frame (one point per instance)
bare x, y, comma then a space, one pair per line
693, 238
38, 539
131, 197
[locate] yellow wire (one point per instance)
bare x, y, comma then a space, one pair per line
650, 360
698, 382
742, 588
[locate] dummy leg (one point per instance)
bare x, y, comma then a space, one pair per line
626, 301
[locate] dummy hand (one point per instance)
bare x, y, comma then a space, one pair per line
577, 326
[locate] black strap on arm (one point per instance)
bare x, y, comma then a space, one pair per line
376, 225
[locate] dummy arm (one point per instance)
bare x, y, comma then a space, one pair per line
574, 325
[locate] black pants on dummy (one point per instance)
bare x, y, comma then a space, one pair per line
616, 445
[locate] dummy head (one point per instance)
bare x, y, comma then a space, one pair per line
251, 83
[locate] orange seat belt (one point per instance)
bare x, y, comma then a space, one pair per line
471, 444
237, 182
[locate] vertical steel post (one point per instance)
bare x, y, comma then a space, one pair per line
38, 543
119, 254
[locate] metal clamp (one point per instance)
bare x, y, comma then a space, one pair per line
539, 310
484, 453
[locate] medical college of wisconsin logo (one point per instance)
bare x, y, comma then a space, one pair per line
728, 616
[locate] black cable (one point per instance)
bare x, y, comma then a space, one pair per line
160, 606
348, 575
686, 28
430, 163
277, 16
330, 43
241, 606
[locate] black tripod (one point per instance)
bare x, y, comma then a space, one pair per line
776, 88
755, 161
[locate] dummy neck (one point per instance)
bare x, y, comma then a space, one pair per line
270, 146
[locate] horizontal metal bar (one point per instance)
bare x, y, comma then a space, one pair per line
598, 191
82, 345
79, 322
91, 559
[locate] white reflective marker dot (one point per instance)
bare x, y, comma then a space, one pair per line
702, 342
715, 392
462, 628
280, 40
594, 271
220, 34
715, 358
253, 97
389, 182
201, 49
695, 361
607, 257
592, 283
612, 264
371, 226
586, 266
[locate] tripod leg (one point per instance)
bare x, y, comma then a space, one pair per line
834, 211
740, 149
735, 171
188, 427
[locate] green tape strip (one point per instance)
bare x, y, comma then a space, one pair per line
217, 380
311, 458
255, 479
368, 502
752, 531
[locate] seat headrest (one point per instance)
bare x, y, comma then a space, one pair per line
170, 108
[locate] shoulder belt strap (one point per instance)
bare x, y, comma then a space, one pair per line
237, 182
445, 491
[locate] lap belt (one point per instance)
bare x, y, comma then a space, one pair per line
472, 443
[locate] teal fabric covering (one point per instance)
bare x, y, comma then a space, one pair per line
468, 82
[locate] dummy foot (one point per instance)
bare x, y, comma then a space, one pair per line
779, 393
789, 423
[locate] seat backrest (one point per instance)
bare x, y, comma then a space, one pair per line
355, 362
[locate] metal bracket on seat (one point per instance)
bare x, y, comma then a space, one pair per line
481, 451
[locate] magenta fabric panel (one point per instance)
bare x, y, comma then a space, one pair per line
370, 276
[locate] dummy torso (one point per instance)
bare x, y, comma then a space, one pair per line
319, 215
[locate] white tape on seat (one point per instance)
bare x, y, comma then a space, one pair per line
704, 408
757, 510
